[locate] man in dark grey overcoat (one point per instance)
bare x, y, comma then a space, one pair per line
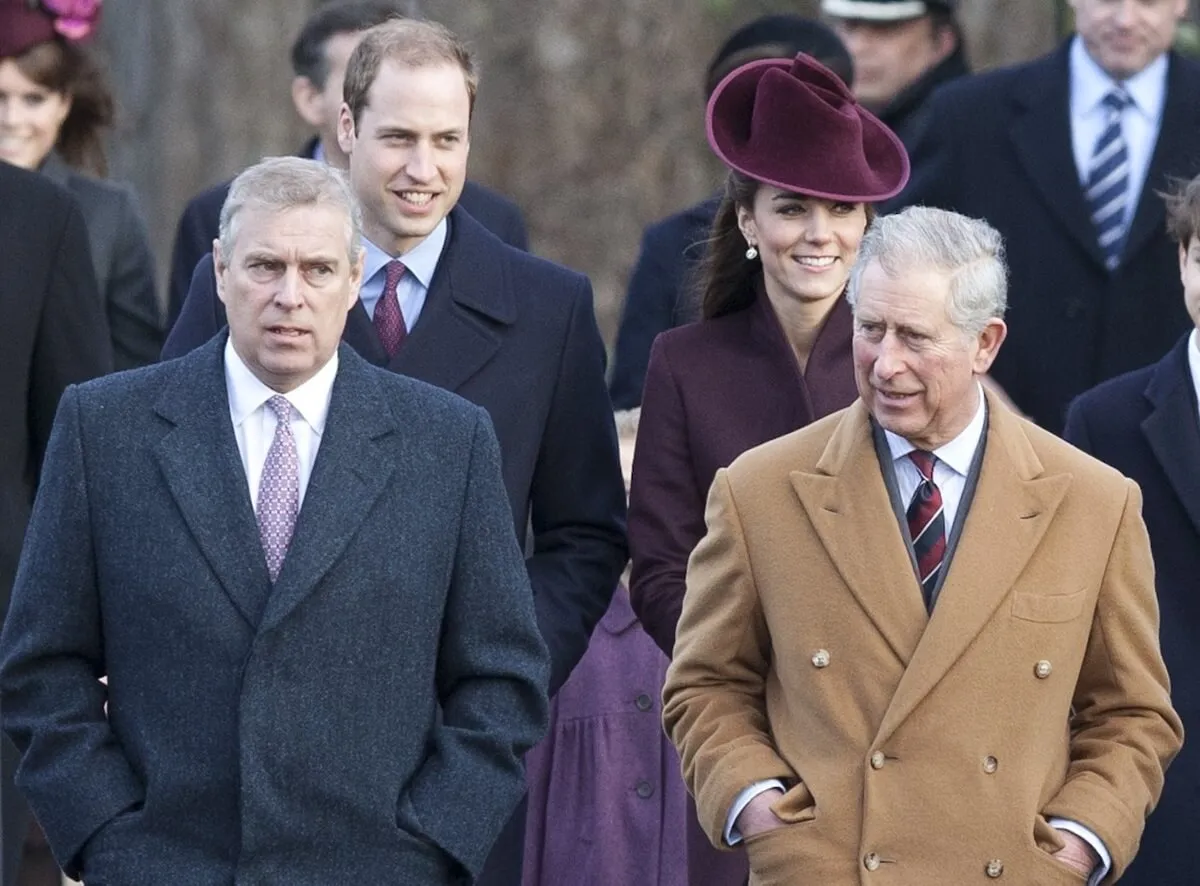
297, 573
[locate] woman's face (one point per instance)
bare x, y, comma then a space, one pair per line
807, 245
30, 117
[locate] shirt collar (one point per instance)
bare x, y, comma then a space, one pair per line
420, 261
959, 452
1090, 83
1193, 353
247, 393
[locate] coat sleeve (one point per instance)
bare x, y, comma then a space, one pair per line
492, 673
203, 314
1124, 732
72, 343
577, 498
134, 318
666, 507
193, 240
649, 309
73, 770
714, 700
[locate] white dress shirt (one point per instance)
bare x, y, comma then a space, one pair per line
1140, 122
419, 264
1194, 363
950, 472
254, 422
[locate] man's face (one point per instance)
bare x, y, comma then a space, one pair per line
287, 287
890, 56
1189, 272
1124, 36
319, 106
916, 371
408, 151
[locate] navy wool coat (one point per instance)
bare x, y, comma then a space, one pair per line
361, 721
1145, 424
998, 147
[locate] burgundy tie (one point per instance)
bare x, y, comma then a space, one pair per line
927, 525
389, 322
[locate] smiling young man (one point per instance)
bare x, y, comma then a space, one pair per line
445, 301
964, 683
1065, 155
298, 575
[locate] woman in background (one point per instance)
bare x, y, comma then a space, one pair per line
54, 107
773, 350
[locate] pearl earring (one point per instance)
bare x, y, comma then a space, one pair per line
752, 252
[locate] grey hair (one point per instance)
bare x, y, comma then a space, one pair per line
969, 250
282, 183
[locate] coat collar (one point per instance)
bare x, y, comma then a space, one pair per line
1041, 137
203, 471
1172, 429
471, 300
847, 501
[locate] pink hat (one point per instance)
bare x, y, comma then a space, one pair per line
26, 23
795, 125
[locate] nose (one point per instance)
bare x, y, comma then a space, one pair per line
420, 166
1123, 15
819, 228
289, 294
889, 359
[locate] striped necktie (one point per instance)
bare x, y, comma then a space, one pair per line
927, 525
1108, 180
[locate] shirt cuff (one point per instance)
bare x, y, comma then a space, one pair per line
732, 836
1089, 837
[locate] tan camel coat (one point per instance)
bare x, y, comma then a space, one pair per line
922, 751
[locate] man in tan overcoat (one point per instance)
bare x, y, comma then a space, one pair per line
987, 702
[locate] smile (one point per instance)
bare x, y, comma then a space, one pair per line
817, 261
416, 198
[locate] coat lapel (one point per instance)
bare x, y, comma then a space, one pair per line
1174, 151
1041, 136
360, 334
847, 502
1172, 429
202, 469
1014, 501
351, 471
469, 302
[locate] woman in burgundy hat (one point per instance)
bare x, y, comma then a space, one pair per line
54, 108
772, 352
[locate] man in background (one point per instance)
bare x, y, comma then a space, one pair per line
55, 335
319, 58
903, 50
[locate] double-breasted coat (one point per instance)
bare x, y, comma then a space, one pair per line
922, 749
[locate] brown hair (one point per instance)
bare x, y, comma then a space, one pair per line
411, 43
66, 68
727, 277
1183, 210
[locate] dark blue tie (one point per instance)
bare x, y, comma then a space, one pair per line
1108, 180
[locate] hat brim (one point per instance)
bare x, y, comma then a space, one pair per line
875, 10
886, 160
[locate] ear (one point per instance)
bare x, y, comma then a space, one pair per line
307, 99
945, 41
220, 267
989, 342
345, 130
1183, 254
745, 223
356, 276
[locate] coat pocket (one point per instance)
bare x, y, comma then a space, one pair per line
796, 805
1048, 607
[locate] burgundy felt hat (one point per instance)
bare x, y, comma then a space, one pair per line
794, 124
25, 23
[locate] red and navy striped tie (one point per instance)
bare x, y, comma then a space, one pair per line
927, 525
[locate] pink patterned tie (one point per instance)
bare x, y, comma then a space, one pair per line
279, 489
389, 322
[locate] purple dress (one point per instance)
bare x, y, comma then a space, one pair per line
607, 805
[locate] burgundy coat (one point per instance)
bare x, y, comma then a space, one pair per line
713, 390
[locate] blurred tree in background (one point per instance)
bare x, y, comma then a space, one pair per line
590, 113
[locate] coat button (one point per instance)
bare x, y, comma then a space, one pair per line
1042, 669
994, 868
990, 764
871, 861
644, 789
877, 760
820, 658
643, 702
